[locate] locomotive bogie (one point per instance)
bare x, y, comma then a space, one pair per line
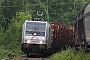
33, 48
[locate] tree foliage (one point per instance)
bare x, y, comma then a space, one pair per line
58, 10
11, 38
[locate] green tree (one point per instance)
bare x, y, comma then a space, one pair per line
13, 34
2, 20
65, 11
9, 9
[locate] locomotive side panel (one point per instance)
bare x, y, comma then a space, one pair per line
48, 35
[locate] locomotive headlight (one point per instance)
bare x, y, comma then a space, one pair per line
35, 33
27, 41
41, 42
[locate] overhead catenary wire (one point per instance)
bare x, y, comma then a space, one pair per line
50, 4
10, 6
39, 4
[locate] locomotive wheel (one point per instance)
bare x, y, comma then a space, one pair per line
28, 55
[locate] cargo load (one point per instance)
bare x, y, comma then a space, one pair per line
62, 35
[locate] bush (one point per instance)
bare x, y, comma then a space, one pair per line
71, 54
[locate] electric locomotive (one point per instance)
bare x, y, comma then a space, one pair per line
36, 36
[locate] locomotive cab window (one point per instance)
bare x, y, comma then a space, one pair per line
35, 27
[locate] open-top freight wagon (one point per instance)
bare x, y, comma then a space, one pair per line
82, 27
62, 35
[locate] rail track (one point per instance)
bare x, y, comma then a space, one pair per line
26, 58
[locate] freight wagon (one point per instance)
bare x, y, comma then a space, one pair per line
82, 27
62, 35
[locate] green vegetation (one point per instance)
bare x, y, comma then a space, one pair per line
11, 38
71, 54
14, 13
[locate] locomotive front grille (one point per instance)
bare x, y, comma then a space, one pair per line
36, 46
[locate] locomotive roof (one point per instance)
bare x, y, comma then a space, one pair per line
36, 21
